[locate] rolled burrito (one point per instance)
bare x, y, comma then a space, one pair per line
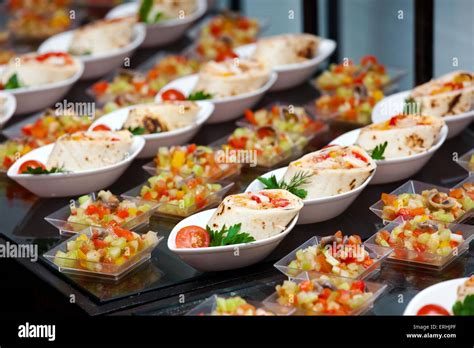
89, 150
332, 171
406, 135
286, 49
451, 94
262, 214
166, 116
229, 78
102, 36
33, 69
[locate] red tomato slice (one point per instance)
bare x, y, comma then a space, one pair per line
173, 94
30, 164
101, 127
432, 309
226, 55
192, 237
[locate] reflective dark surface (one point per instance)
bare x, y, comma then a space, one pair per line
165, 285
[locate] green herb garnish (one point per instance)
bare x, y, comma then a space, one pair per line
158, 17
144, 11
137, 130
296, 181
13, 82
199, 95
39, 170
228, 236
410, 106
466, 307
378, 151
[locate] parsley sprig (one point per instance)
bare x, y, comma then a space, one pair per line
299, 179
137, 130
13, 82
378, 152
466, 307
228, 236
199, 95
39, 170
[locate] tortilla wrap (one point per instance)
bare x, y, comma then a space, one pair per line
449, 103
406, 135
286, 49
256, 212
89, 150
166, 116
229, 78
32, 72
102, 36
332, 171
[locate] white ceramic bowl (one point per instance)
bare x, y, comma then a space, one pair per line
292, 75
226, 109
395, 169
96, 65
164, 32
35, 98
227, 257
442, 294
70, 184
8, 108
116, 119
393, 105
317, 209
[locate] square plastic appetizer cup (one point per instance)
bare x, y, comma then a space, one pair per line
411, 186
59, 219
96, 269
209, 305
376, 252
425, 259
178, 210
375, 288
466, 162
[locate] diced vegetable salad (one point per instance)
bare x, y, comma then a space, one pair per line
368, 73
284, 119
324, 296
196, 160
439, 205
182, 196
348, 105
225, 32
343, 256
106, 210
237, 306
104, 250
270, 145
139, 88
421, 234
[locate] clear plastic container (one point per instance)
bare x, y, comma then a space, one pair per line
377, 253
178, 210
375, 288
59, 219
208, 306
225, 171
274, 159
411, 186
425, 260
467, 161
96, 269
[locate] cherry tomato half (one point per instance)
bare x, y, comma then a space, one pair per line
173, 94
432, 309
30, 164
226, 55
101, 127
192, 237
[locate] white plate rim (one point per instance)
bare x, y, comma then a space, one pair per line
259, 91
10, 106
172, 22
163, 135
137, 142
439, 142
226, 248
308, 202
